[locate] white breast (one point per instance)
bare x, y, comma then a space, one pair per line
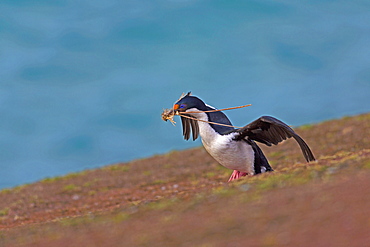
236, 155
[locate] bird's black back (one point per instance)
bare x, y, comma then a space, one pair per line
221, 118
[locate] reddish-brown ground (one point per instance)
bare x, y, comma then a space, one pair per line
182, 199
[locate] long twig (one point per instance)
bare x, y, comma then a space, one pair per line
169, 114
215, 110
225, 109
227, 125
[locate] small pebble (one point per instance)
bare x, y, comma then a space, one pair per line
75, 197
332, 170
244, 187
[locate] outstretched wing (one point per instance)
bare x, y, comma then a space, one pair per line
188, 126
269, 130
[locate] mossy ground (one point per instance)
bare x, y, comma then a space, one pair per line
182, 199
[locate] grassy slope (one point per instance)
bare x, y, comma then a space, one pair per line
181, 199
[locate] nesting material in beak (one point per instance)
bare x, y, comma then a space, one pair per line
168, 114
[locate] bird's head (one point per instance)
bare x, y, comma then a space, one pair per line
193, 110
189, 103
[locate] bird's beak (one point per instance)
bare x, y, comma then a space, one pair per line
168, 114
172, 112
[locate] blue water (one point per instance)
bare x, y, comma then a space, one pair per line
83, 82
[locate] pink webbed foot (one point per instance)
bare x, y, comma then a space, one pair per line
237, 174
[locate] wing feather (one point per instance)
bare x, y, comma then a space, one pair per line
271, 131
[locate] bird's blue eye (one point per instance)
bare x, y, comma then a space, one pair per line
182, 106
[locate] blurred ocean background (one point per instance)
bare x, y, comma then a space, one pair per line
83, 82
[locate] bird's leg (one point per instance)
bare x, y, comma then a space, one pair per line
237, 174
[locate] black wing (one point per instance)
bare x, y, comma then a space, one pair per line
269, 130
186, 125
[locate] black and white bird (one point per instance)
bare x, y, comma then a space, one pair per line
234, 148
